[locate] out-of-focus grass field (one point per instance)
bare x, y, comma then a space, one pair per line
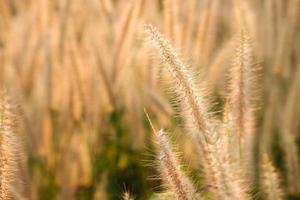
81, 75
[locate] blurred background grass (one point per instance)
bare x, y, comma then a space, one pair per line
81, 74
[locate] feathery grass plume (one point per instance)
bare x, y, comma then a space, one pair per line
222, 185
187, 90
193, 98
228, 176
126, 196
241, 97
8, 149
177, 181
225, 129
270, 181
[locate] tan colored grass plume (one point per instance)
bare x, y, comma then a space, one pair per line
222, 182
9, 146
270, 181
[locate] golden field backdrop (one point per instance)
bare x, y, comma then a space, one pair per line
77, 78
